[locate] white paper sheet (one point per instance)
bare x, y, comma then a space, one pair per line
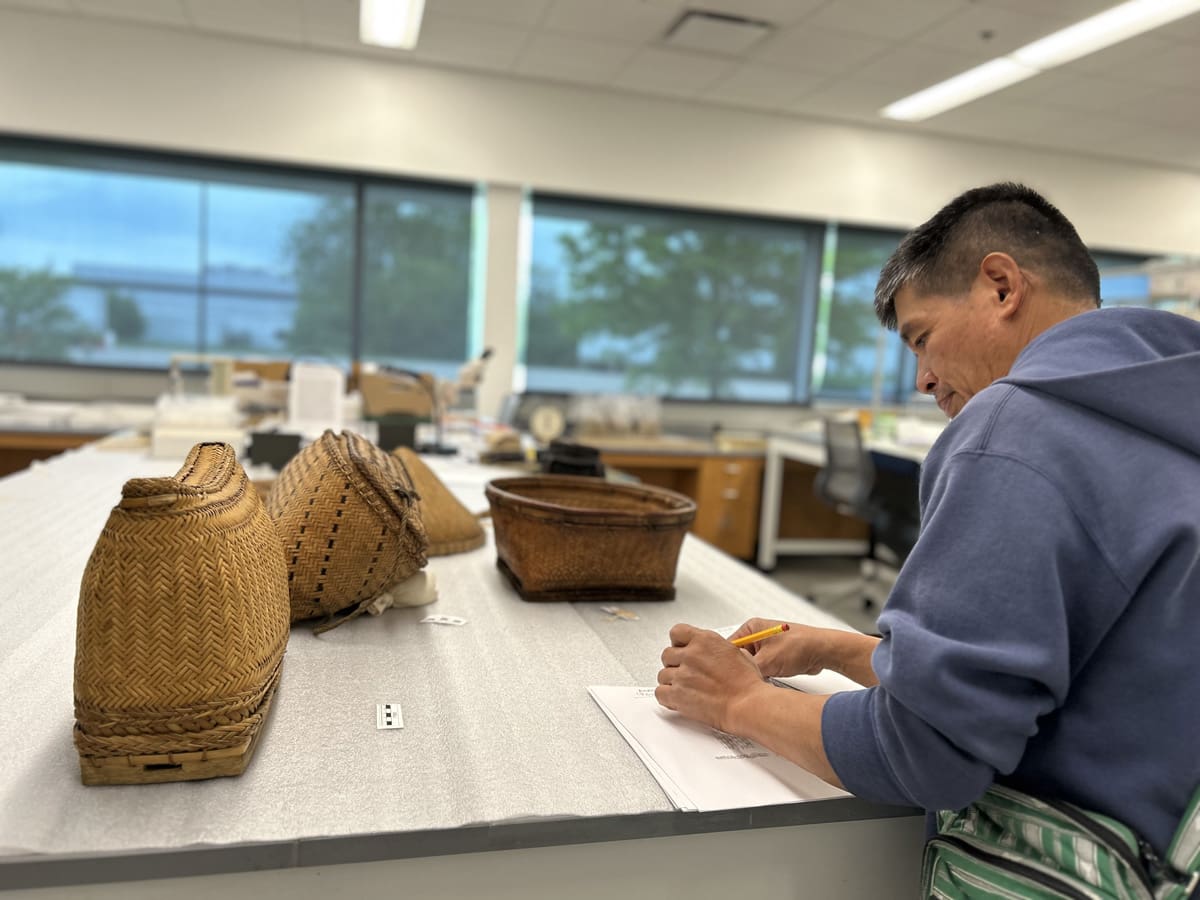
824, 682
704, 769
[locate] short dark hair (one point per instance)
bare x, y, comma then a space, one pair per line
943, 255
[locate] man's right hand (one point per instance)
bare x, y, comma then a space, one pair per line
805, 650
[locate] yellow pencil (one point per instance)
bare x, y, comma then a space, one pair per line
759, 635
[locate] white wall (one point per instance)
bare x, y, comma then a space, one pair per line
101, 80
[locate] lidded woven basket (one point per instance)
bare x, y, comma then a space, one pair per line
182, 625
347, 514
568, 537
450, 526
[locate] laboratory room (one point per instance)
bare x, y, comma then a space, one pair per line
599, 448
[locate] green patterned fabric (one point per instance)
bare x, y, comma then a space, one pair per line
1010, 846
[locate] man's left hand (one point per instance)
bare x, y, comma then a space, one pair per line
703, 676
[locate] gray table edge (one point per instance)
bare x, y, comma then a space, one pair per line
58, 870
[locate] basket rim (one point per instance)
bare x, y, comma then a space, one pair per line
499, 492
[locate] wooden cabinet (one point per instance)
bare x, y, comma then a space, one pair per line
19, 448
727, 503
727, 490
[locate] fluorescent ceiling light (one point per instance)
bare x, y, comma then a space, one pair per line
390, 23
962, 88
1102, 30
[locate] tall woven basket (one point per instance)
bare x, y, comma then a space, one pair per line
347, 514
182, 626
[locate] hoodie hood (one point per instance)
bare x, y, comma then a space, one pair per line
1137, 366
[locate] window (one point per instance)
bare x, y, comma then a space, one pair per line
124, 259
668, 302
852, 348
417, 277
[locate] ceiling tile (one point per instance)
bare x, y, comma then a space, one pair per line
987, 32
277, 20
762, 87
1174, 67
472, 45
909, 68
1186, 29
1125, 57
818, 50
1090, 93
1072, 10
331, 24
847, 99
570, 58
1158, 144
704, 33
1026, 124
504, 12
47, 6
634, 21
883, 18
780, 13
1171, 109
662, 71
976, 120
160, 12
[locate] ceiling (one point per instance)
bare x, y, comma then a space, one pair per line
831, 59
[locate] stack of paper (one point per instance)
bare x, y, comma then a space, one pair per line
702, 769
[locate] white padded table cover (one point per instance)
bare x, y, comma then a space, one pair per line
498, 724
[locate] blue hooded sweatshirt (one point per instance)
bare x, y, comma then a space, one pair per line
1045, 630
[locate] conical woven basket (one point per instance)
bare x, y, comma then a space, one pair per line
347, 514
450, 526
182, 625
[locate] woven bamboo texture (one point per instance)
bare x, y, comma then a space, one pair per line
181, 629
450, 526
561, 537
348, 517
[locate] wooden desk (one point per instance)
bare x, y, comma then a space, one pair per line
726, 488
792, 519
19, 448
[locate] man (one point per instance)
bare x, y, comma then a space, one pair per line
1044, 632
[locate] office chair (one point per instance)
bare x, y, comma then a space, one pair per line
880, 490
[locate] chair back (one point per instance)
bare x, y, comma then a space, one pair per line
846, 480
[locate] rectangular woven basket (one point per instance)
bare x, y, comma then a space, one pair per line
562, 537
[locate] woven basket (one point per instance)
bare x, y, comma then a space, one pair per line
561, 537
347, 514
450, 526
182, 625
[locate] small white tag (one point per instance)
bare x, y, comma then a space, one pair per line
443, 620
387, 715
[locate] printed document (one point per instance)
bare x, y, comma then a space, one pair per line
702, 769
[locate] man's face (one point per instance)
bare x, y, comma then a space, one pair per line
958, 342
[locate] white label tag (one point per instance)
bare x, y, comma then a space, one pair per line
387, 715
443, 620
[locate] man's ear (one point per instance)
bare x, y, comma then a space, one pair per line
1003, 281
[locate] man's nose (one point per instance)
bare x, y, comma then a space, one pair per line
926, 381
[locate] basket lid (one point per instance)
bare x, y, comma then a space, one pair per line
450, 526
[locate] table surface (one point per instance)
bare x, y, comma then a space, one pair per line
501, 745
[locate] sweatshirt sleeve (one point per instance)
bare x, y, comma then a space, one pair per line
976, 639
